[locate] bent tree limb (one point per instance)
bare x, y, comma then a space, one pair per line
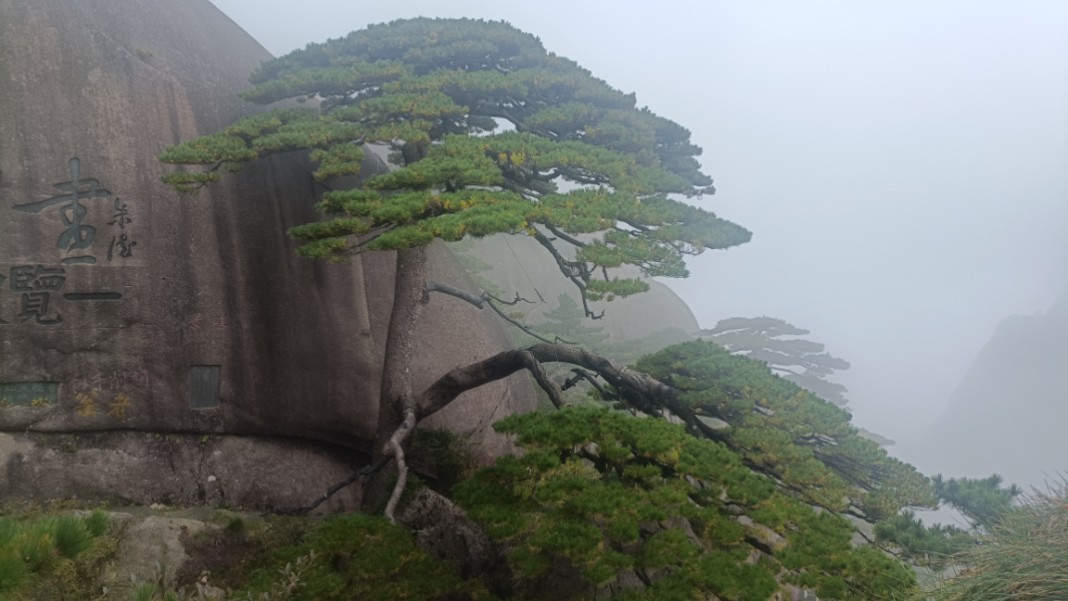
445, 390
641, 391
482, 300
405, 409
638, 390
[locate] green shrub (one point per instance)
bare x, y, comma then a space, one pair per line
145, 592
235, 526
8, 529
359, 557
13, 571
71, 535
97, 522
923, 544
35, 544
447, 456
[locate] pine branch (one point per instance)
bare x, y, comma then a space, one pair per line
580, 375
482, 300
580, 280
564, 235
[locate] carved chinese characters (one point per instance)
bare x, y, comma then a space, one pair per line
37, 289
35, 285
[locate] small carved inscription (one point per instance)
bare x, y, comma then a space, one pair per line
119, 379
31, 394
119, 240
120, 404
88, 403
196, 323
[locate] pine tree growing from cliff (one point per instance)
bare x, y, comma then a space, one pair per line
489, 133
486, 132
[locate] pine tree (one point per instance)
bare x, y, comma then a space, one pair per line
577, 158
598, 183
983, 501
777, 343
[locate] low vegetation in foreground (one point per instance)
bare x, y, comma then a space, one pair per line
1023, 557
38, 549
569, 526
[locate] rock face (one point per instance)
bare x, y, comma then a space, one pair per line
1008, 413
126, 307
172, 469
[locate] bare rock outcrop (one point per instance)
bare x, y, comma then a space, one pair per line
127, 307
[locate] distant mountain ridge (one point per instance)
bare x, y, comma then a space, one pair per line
1009, 413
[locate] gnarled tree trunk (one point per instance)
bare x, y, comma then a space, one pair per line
397, 370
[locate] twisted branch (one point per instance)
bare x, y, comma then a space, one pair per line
484, 299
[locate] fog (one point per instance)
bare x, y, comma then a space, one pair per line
901, 164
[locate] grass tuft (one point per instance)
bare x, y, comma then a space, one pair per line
71, 535
8, 529
97, 522
13, 571
36, 546
1024, 557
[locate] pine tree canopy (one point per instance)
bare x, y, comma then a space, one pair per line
983, 501
728, 511
775, 342
784, 431
490, 133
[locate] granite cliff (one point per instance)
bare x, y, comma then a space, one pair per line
158, 347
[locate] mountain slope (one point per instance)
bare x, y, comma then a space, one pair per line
1009, 412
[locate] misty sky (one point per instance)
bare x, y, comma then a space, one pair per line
902, 164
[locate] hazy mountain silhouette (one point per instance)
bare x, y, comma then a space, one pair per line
1009, 414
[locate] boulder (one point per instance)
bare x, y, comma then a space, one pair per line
151, 549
